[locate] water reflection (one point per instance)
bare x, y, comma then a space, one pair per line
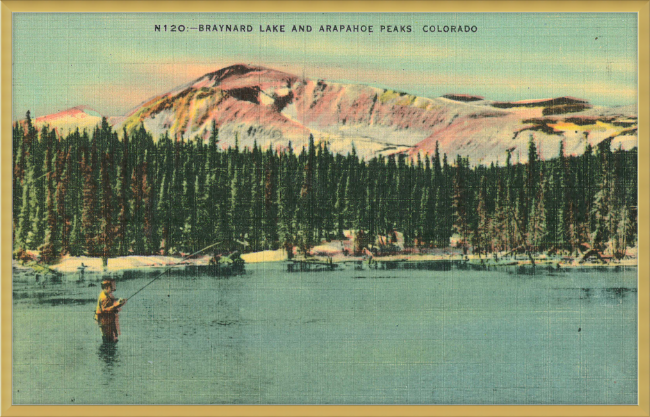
275, 337
108, 353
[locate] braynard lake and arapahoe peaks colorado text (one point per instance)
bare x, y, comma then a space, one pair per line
337, 28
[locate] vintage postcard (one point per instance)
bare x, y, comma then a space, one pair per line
325, 208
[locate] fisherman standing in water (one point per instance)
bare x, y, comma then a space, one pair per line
106, 313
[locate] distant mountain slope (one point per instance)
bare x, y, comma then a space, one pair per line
82, 117
485, 137
250, 103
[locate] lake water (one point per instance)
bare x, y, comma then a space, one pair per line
344, 337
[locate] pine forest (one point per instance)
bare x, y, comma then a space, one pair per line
106, 193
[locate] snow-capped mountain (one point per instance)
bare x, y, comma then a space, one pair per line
251, 103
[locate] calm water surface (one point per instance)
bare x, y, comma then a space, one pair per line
346, 337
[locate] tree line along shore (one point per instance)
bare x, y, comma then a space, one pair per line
104, 194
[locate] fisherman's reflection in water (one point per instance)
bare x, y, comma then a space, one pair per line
108, 353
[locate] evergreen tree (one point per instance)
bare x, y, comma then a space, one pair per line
189, 205
24, 220
568, 216
445, 219
461, 208
164, 213
212, 147
482, 237
340, 206
306, 201
621, 234
50, 248
238, 214
37, 192
586, 180
286, 229
270, 212
105, 236
151, 241
176, 213
391, 198
427, 216
19, 156
63, 210
498, 223
76, 240
123, 198
603, 211
88, 229
206, 205
537, 227
532, 185
136, 210
256, 208
222, 180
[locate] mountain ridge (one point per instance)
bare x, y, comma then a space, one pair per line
258, 104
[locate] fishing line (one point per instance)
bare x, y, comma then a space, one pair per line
170, 267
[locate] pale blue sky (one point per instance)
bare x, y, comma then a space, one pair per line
112, 62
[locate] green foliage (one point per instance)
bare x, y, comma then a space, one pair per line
100, 194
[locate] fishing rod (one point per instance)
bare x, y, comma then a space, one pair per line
169, 269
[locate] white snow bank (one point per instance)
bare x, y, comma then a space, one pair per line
328, 249
73, 263
265, 256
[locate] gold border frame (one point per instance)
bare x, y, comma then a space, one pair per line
640, 7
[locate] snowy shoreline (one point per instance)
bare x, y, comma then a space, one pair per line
74, 265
